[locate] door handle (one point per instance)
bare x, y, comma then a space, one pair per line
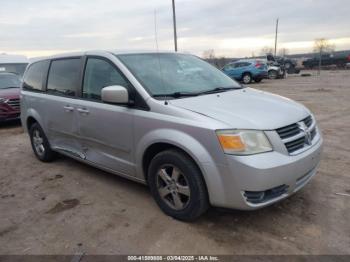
83, 111
68, 108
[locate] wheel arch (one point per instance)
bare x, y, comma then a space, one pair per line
159, 140
31, 118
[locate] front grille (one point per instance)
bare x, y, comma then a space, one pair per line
298, 135
308, 121
259, 197
14, 103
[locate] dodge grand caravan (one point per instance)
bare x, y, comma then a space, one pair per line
171, 121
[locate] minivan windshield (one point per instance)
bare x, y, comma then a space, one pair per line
9, 81
176, 75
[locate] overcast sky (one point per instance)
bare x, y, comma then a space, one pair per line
230, 27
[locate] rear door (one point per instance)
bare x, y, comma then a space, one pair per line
60, 104
105, 130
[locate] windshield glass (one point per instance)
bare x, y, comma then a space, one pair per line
165, 74
9, 80
13, 68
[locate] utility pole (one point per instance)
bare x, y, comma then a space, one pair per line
174, 21
276, 36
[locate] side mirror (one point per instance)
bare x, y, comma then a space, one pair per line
115, 95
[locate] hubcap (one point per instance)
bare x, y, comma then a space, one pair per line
38, 143
173, 187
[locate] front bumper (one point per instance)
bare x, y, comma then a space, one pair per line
271, 176
7, 113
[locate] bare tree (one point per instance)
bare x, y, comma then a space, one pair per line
283, 52
209, 54
322, 46
266, 50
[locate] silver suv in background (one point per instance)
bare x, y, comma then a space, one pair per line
171, 121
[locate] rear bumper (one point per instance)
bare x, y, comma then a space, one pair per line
262, 75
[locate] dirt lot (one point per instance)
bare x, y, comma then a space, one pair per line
65, 207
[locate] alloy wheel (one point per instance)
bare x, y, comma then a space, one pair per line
247, 79
38, 143
173, 187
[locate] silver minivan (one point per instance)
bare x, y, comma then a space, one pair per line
171, 121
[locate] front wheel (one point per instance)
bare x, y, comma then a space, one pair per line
177, 185
247, 78
40, 144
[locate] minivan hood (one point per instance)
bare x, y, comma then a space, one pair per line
246, 109
10, 93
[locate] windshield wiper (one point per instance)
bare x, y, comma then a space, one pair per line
177, 94
219, 90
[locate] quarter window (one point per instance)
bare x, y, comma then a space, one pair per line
99, 74
64, 77
34, 77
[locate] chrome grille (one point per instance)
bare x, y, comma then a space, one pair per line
14, 103
298, 135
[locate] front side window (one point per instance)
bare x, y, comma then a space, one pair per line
64, 77
163, 74
99, 74
229, 67
34, 77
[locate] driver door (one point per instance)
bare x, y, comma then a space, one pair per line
105, 130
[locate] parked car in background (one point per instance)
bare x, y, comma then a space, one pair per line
13, 64
172, 121
246, 70
327, 60
9, 96
274, 70
287, 65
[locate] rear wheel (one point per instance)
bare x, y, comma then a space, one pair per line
247, 78
258, 80
177, 185
40, 144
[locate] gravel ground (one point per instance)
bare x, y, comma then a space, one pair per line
66, 207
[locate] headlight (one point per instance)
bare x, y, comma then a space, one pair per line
3, 100
243, 142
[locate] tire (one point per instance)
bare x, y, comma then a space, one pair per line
40, 144
273, 74
258, 80
177, 185
246, 78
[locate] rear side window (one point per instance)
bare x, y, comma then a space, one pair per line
64, 77
35, 76
99, 74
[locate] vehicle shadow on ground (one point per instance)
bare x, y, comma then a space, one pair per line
296, 205
10, 125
